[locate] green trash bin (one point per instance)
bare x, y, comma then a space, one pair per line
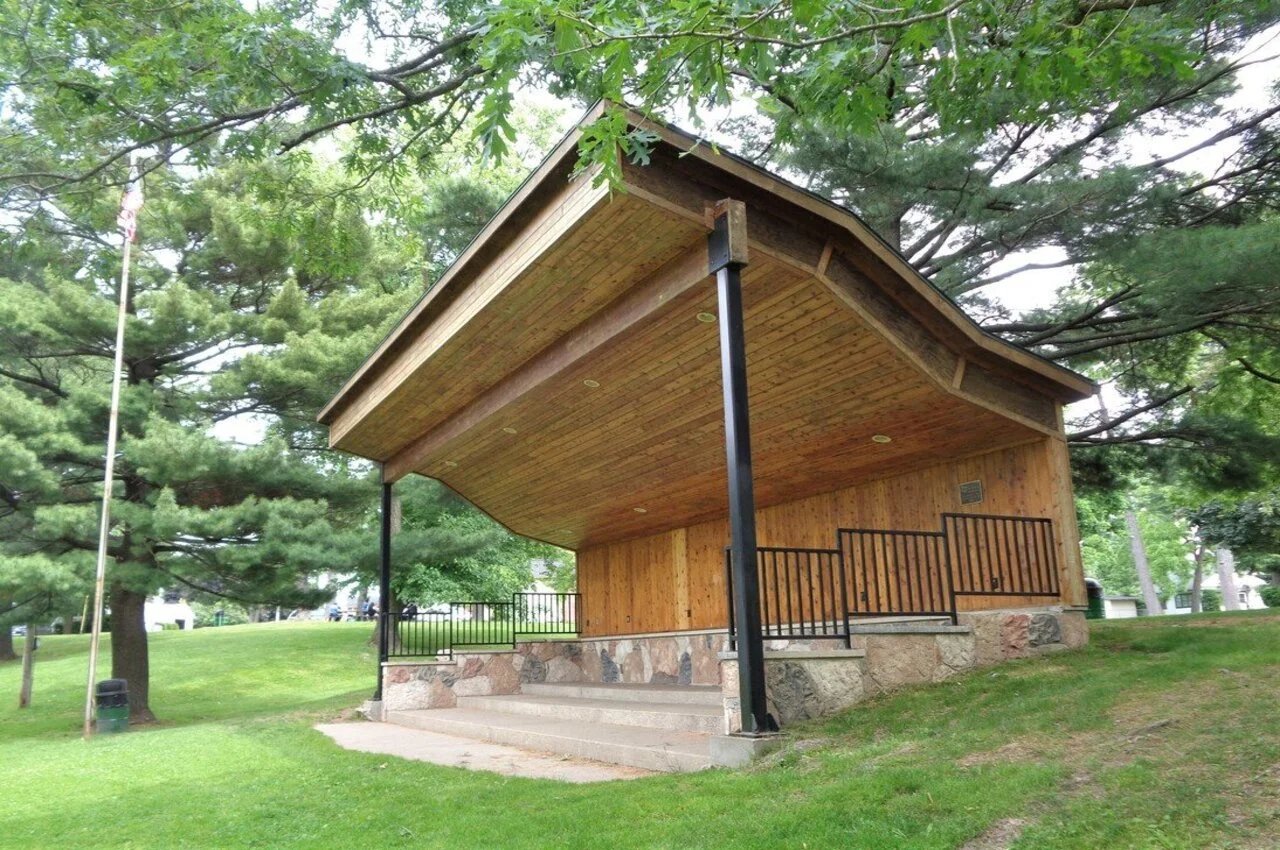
1093, 591
113, 705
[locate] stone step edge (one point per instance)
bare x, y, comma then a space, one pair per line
648, 757
690, 708
709, 720
801, 654
628, 693
922, 629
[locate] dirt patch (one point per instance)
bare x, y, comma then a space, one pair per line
1000, 836
1019, 749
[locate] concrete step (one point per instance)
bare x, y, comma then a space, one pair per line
668, 694
651, 749
681, 717
897, 622
941, 626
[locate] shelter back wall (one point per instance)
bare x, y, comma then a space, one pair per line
675, 580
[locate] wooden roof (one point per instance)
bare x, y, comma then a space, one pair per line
559, 375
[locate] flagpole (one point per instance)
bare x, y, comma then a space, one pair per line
108, 479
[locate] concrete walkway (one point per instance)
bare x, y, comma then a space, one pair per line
421, 745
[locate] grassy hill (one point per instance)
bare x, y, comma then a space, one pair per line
1162, 734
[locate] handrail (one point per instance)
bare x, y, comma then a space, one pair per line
475, 624
880, 572
803, 593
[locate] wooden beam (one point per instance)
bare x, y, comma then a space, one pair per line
641, 302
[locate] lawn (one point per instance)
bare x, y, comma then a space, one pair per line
1162, 734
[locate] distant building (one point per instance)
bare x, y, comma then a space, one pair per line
168, 608
1246, 592
1120, 607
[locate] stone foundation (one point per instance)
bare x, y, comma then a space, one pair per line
804, 677
803, 685
682, 659
686, 659
413, 685
1001, 635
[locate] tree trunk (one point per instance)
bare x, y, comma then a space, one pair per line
6, 644
129, 659
1139, 549
1197, 582
1227, 579
28, 666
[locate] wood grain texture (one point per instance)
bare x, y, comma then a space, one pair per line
1022, 480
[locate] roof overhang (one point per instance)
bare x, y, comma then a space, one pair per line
559, 377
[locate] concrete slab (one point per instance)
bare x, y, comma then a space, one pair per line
650, 749
437, 748
741, 750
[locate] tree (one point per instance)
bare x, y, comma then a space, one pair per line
181, 81
39, 588
1107, 538
272, 262
1141, 565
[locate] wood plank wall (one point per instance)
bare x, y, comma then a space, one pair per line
675, 580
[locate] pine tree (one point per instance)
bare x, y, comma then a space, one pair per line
256, 291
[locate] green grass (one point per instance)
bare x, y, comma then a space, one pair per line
1055, 743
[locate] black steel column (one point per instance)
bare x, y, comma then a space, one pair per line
384, 579
727, 253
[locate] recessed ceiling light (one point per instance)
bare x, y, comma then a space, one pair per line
509, 430
640, 510
881, 438
706, 318
451, 463
590, 383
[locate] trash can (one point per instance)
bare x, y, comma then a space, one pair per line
1093, 591
113, 705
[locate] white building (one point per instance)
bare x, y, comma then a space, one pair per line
168, 608
1246, 591
1120, 607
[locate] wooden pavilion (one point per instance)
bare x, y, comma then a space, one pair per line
587, 366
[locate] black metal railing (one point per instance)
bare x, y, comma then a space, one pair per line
1002, 555
897, 572
877, 572
803, 593
437, 632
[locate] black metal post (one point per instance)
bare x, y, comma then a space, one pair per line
384, 580
727, 253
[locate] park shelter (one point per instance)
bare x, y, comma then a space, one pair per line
573, 375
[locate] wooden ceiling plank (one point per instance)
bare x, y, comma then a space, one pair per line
645, 300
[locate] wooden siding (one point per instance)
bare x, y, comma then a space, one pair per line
675, 580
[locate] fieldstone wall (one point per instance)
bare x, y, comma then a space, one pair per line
688, 659
804, 678
798, 688
896, 656
408, 686
1001, 635
895, 660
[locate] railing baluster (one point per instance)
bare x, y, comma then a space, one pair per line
808, 574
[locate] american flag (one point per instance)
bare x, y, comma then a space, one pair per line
130, 204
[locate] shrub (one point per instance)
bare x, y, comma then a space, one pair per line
1270, 594
1210, 600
